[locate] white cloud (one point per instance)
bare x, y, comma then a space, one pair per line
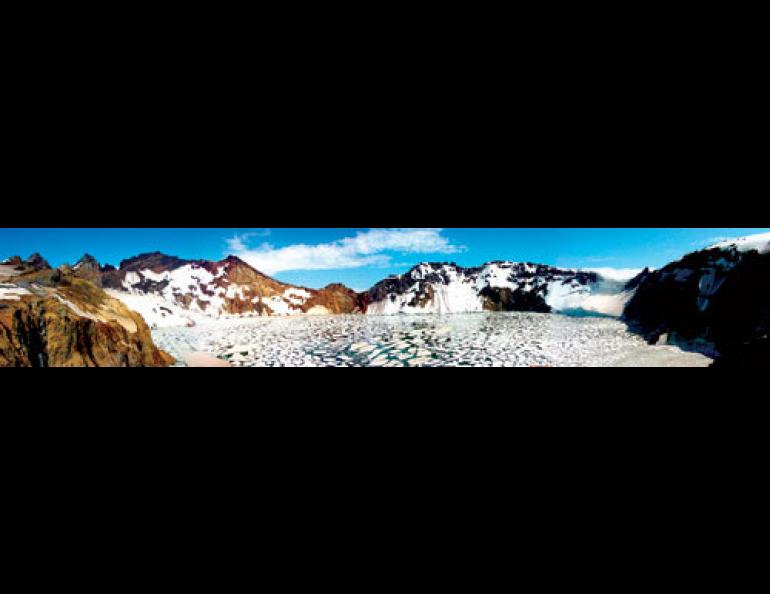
366, 248
617, 274
239, 243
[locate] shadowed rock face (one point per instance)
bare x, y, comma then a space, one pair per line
15, 261
155, 261
88, 269
37, 262
497, 299
60, 320
716, 301
752, 356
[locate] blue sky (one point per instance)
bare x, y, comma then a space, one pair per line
360, 257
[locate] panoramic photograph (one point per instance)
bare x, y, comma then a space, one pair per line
384, 297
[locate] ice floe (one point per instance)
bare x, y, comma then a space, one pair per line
468, 340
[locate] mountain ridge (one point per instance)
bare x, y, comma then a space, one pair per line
500, 285
715, 300
169, 290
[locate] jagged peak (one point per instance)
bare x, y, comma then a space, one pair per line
338, 287
234, 262
37, 262
13, 261
87, 260
434, 266
439, 266
506, 263
156, 261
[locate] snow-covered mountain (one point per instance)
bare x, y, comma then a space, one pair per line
758, 243
169, 291
445, 288
715, 300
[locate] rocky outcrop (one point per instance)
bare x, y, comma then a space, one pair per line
14, 261
715, 301
37, 262
506, 299
154, 261
336, 299
88, 269
55, 319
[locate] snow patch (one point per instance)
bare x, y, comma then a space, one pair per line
759, 243
156, 311
10, 292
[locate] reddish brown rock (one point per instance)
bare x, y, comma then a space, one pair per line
337, 299
64, 321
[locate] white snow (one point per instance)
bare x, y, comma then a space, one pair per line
759, 243
8, 270
459, 295
497, 277
296, 296
75, 309
190, 280
206, 294
156, 311
154, 276
279, 306
132, 278
456, 297
10, 292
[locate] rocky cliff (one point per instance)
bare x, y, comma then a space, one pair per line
52, 318
716, 301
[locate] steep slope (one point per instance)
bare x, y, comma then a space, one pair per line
446, 288
52, 318
716, 301
169, 291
